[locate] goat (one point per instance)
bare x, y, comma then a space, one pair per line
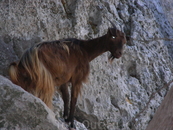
57, 63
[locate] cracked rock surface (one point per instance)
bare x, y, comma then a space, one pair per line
116, 92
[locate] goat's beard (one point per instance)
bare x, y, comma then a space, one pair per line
111, 57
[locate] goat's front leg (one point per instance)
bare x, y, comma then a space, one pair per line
74, 94
65, 97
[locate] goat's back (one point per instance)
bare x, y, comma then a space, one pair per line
64, 59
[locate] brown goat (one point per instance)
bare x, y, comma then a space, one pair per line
57, 63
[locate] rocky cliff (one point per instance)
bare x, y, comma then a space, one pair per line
116, 93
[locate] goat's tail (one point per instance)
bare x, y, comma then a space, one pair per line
13, 72
39, 75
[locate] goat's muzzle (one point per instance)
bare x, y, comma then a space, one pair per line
113, 56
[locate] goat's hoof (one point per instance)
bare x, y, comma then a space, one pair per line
72, 127
67, 120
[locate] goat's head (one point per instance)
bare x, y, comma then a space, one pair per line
116, 40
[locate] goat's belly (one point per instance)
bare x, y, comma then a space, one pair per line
62, 80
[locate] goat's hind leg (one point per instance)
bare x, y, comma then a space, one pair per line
74, 95
65, 97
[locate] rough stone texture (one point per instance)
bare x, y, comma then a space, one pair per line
7, 55
20, 110
116, 92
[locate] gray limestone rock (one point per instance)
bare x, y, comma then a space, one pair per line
20, 110
116, 92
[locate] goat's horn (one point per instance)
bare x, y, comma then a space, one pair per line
111, 23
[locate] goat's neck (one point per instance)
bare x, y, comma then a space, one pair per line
95, 47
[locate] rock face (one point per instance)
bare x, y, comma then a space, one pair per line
116, 92
20, 110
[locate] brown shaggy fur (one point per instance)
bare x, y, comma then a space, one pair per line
57, 63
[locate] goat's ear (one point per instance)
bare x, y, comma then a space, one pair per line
112, 32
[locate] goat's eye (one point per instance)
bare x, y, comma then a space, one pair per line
113, 37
